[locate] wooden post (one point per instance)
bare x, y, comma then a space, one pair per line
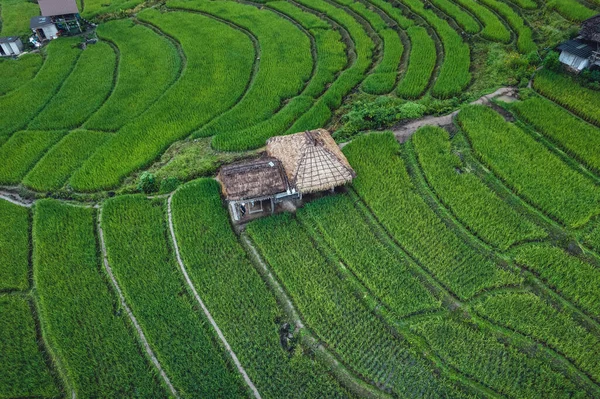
272, 206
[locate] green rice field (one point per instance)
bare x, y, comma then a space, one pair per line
462, 261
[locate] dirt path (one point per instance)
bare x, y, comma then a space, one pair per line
15, 199
204, 308
404, 132
141, 334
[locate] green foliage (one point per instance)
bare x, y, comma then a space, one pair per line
143, 262
383, 183
18, 72
15, 17
383, 78
14, 248
321, 111
53, 170
493, 28
93, 8
574, 279
82, 92
381, 112
18, 107
240, 302
479, 353
526, 4
525, 42
21, 152
578, 138
285, 63
338, 317
571, 9
169, 184
420, 64
81, 319
552, 62
23, 372
462, 18
196, 98
532, 316
148, 65
529, 168
468, 197
147, 183
566, 92
331, 59
454, 73
345, 230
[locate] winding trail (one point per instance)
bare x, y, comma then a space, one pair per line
404, 132
200, 302
141, 335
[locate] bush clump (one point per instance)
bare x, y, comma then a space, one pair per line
147, 183
382, 112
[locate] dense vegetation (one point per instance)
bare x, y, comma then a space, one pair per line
144, 266
14, 247
89, 333
462, 262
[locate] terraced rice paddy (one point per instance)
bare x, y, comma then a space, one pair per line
463, 261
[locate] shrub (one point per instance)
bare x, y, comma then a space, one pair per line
147, 183
169, 184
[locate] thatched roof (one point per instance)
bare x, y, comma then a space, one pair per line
590, 29
312, 160
260, 178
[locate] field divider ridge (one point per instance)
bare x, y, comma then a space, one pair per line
379, 308
141, 335
188, 281
346, 376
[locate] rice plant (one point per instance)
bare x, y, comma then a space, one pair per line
529, 168
57, 165
531, 315
462, 18
15, 16
566, 92
493, 28
575, 136
525, 43
385, 186
469, 198
571, 9
22, 151
20, 106
18, 72
335, 313
148, 65
454, 73
575, 279
82, 93
382, 272
23, 371
82, 321
478, 352
14, 247
144, 264
197, 97
233, 291
420, 64
285, 63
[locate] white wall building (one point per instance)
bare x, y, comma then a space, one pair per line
10, 46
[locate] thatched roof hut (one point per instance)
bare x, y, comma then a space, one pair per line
312, 160
253, 180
